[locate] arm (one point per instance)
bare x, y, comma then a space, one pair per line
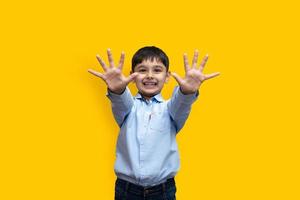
121, 104
179, 107
117, 86
180, 104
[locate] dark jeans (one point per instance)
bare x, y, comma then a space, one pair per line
125, 190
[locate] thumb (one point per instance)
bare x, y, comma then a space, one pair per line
177, 78
131, 77
209, 76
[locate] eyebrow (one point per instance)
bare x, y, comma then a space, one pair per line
140, 66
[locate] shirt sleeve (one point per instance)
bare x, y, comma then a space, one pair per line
179, 106
121, 104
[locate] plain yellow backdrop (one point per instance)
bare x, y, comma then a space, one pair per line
57, 133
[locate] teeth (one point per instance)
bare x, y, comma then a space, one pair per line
149, 83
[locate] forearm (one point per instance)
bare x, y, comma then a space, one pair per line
179, 106
121, 104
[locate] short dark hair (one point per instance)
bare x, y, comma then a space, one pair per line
149, 52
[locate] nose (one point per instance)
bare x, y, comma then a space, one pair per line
150, 74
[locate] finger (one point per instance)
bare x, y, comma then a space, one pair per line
110, 58
131, 77
177, 78
186, 62
209, 76
121, 62
195, 59
203, 63
101, 62
98, 74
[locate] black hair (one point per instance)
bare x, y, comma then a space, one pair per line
149, 52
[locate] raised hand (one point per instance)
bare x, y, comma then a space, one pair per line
113, 77
194, 76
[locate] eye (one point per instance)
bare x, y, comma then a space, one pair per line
158, 70
141, 70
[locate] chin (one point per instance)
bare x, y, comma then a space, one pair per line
150, 94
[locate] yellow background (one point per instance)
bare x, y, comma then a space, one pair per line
58, 135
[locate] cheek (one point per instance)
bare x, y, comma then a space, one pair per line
162, 80
140, 77
138, 81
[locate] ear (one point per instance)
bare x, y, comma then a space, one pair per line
167, 76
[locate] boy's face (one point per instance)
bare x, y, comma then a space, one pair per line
152, 75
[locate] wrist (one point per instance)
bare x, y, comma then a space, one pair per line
187, 92
119, 92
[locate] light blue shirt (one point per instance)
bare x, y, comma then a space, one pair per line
147, 152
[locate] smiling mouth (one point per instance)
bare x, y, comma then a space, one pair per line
149, 83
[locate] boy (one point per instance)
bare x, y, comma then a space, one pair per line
147, 156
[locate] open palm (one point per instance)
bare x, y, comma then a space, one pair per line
194, 76
113, 76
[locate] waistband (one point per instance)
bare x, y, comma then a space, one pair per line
141, 190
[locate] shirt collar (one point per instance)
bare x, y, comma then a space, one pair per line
157, 97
